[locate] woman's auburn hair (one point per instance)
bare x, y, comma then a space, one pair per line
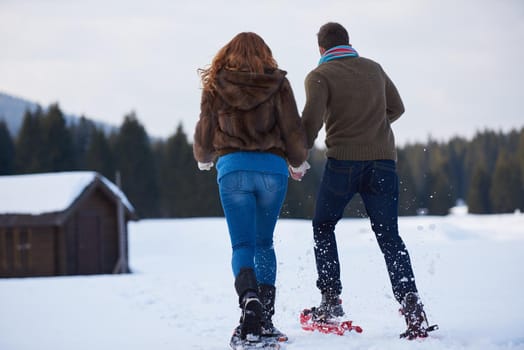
247, 52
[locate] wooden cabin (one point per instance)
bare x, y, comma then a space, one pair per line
71, 223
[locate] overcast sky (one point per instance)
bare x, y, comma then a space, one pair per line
457, 64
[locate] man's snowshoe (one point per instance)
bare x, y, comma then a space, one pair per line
328, 317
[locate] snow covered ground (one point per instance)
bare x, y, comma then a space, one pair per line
181, 295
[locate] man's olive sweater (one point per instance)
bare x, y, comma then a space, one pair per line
357, 101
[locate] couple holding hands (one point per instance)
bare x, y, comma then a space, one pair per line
250, 126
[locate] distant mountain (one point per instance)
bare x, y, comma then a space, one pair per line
12, 110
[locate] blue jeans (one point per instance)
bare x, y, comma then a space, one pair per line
377, 183
252, 201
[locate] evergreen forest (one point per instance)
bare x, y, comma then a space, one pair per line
161, 178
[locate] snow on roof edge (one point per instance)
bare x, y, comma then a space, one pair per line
117, 192
36, 194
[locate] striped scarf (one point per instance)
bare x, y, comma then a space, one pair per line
338, 52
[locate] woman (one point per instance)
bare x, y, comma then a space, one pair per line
249, 121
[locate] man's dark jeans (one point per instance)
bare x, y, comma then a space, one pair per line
377, 183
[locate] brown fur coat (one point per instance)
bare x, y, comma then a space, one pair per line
250, 112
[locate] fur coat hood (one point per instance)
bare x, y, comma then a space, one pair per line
246, 90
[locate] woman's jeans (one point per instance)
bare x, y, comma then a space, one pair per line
377, 183
252, 202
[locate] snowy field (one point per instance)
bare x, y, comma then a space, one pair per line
181, 295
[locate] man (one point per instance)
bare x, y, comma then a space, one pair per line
357, 102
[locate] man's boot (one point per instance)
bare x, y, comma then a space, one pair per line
330, 308
416, 320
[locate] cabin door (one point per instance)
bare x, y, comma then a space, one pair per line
89, 247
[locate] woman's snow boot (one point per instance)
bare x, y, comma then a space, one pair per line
250, 326
267, 295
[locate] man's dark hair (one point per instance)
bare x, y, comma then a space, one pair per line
332, 34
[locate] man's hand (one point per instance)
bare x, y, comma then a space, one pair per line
298, 173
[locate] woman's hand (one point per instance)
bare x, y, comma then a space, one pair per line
205, 166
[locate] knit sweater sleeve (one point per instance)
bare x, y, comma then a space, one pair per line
317, 94
394, 105
292, 131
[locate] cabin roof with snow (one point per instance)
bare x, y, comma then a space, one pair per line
49, 198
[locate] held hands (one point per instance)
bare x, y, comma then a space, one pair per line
298, 173
205, 166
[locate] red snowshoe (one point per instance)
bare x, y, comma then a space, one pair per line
309, 322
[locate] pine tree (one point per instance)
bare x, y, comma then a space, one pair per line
81, 132
520, 158
99, 155
29, 144
506, 189
407, 187
478, 198
456, 153
57, 142
136, 164
198, 189
440, 195
417, 158
7, 151
178, 176
482, 149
